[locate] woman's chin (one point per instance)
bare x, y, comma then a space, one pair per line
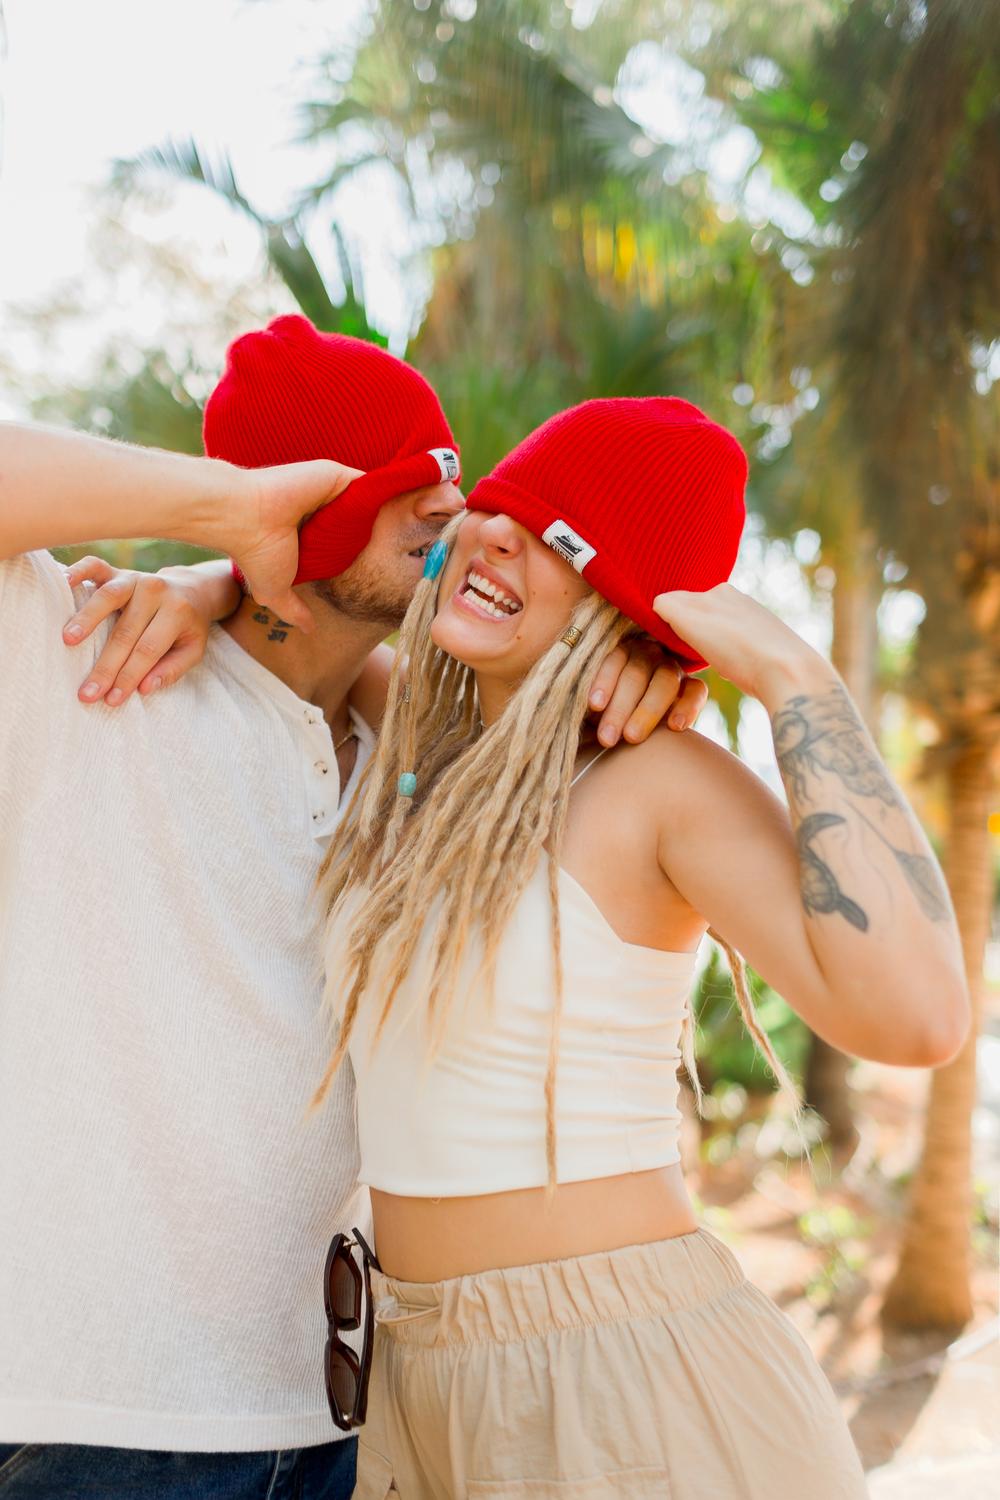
468, 642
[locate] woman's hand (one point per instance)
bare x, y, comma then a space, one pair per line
744, 642
162, 628
638, 686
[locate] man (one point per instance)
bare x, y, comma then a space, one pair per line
165, 1199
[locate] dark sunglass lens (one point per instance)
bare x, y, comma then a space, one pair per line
344, 1383
344, 1288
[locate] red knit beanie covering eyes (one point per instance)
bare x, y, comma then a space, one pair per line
290, 393
641, 495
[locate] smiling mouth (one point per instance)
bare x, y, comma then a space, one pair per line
489, 597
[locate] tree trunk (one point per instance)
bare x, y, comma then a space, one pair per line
931, 1286
854, 648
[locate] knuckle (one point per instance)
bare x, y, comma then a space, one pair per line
636, 671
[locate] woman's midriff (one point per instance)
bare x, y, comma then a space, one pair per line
434, 1239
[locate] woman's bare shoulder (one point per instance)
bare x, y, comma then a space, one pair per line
688, 775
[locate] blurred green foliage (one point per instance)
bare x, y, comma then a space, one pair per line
726, 1052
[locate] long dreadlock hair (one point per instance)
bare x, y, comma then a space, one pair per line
506, 786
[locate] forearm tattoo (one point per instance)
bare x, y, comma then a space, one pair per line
816, 737
277, 629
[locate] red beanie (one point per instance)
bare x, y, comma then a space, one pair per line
290, 393
641, 494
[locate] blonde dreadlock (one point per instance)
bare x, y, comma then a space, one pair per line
507, 787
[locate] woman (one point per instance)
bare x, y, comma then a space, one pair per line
517, 912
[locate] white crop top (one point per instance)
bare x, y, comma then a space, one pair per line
472, 1119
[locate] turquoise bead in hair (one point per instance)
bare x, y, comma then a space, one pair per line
435, 559
407, 784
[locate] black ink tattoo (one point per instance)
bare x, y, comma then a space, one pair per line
922, 876
277, 629
816, 735
825, 734
821, 892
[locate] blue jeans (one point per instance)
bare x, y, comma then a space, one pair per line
45, 1471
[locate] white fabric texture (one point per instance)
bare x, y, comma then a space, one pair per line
471, 1118
166, 1201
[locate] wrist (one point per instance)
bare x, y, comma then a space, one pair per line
217, 514
802, 671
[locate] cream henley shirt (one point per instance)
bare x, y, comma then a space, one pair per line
166, 1201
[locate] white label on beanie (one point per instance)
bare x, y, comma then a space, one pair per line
447, 461
569, 544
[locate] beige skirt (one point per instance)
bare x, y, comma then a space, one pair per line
654, 1371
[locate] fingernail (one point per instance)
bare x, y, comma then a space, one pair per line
608, 735
90, 691
157, 682
114, 697
73, 632
598, 698
677, 721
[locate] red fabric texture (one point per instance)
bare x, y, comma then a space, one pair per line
290, 394
650, 483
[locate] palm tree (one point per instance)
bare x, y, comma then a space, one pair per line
889, 126
284, 239
570, 266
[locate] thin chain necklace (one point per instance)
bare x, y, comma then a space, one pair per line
351, 734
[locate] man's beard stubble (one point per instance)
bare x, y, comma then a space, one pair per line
364, 593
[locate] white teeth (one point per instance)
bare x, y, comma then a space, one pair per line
491, 591
486, 605
489, 596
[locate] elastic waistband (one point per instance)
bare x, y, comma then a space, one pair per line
501, 1306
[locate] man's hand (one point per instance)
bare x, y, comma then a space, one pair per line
639, 684
264, 539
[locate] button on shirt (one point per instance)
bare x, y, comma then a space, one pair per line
166, 1198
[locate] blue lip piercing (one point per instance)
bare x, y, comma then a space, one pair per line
434, 561
407, 784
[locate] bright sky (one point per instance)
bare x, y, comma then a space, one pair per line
85, 83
